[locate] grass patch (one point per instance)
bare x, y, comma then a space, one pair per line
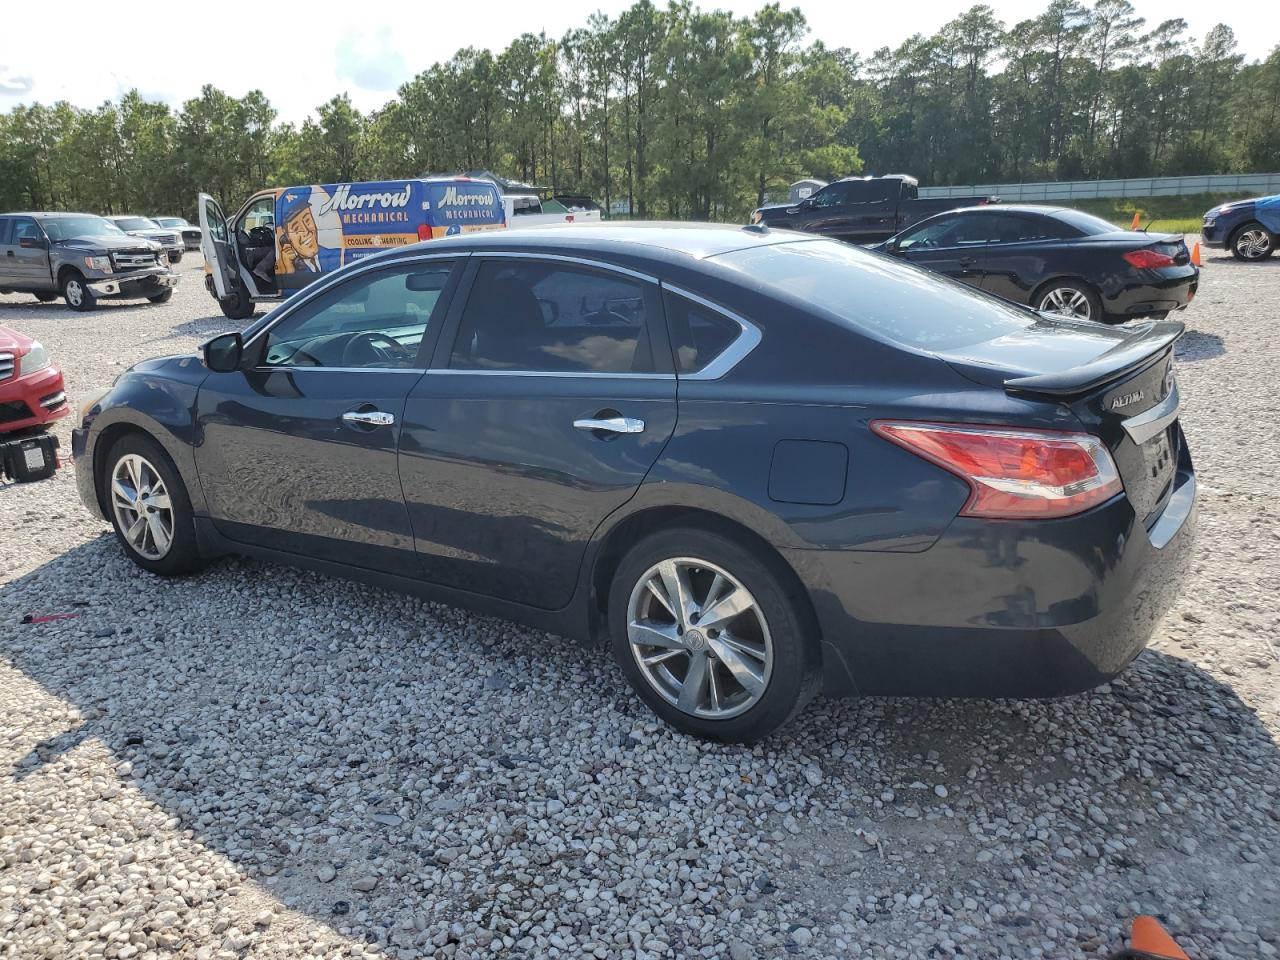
1159, 214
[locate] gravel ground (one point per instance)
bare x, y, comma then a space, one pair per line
260, 762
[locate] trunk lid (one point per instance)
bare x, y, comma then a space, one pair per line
1118, 381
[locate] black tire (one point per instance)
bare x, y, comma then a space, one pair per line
183, 553
1252, 242
1064, 291
175, 257
794, 676
238, 306
76, 292
46, 297
163, 297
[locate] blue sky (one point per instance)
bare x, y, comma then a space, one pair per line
368, 50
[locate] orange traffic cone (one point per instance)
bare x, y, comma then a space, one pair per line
1149, 937
1195, 253
1137, 220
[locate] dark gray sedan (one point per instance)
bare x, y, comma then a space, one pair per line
758, 464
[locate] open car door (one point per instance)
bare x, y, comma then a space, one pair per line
215, 242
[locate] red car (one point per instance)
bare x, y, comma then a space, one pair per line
31, 389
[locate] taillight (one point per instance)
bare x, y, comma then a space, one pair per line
1014, 473
1148, 259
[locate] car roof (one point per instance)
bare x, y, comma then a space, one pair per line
48, 214
649, 239
1010, 208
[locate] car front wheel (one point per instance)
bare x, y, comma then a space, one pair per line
149, 507
164, 296
708, 637
77, 294
1252, 242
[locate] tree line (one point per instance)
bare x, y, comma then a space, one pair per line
688, 113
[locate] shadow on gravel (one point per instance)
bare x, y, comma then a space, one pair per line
295, 723
1195, 345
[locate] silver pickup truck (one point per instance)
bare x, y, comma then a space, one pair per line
83, 257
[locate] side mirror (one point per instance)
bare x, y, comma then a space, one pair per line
31, 243
223, 353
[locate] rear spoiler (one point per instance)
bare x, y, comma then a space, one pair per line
1148, 341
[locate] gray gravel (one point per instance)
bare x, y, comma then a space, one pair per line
262, 762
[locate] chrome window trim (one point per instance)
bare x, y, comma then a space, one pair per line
568, 374
735, 352
565, 258
289, 307
282, 368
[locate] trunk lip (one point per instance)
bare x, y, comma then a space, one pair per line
1149, 342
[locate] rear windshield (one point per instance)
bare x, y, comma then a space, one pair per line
1086, 223
876, 294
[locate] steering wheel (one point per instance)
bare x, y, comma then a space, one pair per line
383, 348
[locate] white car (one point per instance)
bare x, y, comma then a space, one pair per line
526, 210
190, 233
150, 230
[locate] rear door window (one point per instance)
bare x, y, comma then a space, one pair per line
545, 316
699, 334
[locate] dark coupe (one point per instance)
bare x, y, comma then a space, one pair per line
761, 464
1055, 259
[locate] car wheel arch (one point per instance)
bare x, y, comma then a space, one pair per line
619, 538
111, 434
65, 271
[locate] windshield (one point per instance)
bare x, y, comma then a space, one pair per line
135, 223
67, 228
879, 295
1086, 223
171, 222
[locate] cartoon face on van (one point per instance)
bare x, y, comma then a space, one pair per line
282, 239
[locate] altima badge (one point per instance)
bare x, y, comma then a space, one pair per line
1125, 399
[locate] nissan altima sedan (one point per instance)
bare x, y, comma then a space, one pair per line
759, 465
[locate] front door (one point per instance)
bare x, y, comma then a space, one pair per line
216, 245
549, 405
953, 245
298, 449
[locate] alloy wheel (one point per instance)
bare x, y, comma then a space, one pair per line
75, 292
1066, 302
142, 507
699, 638
1253, 244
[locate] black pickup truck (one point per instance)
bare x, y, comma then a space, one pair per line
861, 209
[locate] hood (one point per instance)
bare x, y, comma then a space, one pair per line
110, 242
152, 232
11, 341
1235, 205
778, 206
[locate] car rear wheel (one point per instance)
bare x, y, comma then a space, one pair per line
149, 507
77, 294
709, 638
1068, 298
1252, 242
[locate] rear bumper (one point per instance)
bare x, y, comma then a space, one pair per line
134, 284
1003, 608
1163, 290
32, 401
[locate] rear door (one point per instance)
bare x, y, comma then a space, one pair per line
1027, 248
551, 396
216, 243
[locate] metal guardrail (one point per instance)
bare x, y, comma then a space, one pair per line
1245, 184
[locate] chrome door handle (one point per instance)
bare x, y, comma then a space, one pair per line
611, 424
370, 418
